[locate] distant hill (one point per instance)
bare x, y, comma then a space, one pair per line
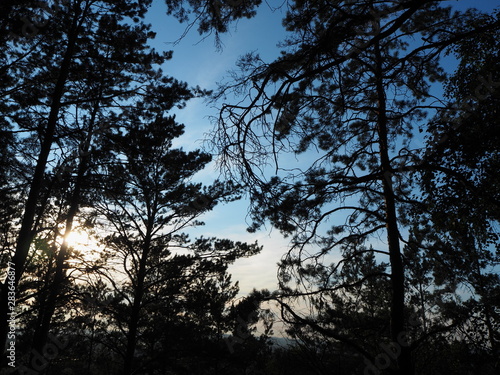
282, 342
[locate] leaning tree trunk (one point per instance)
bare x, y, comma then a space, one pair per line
45, 315
26, 233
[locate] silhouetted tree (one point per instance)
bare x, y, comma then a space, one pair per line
344, 98
148, 201
460, 190
55, 59
63, 64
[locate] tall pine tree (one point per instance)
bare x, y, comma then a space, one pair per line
345, 97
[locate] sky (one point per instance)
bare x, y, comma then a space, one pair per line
198, 62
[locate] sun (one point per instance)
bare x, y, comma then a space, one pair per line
78, 239
85, 247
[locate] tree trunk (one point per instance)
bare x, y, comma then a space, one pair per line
136, 307
45, 315
397, 325
26, 233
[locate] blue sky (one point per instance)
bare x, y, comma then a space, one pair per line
198, 62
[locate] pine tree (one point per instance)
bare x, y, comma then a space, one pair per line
148, 201
347, 92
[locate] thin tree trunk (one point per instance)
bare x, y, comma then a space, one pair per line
137, 305
397, 325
